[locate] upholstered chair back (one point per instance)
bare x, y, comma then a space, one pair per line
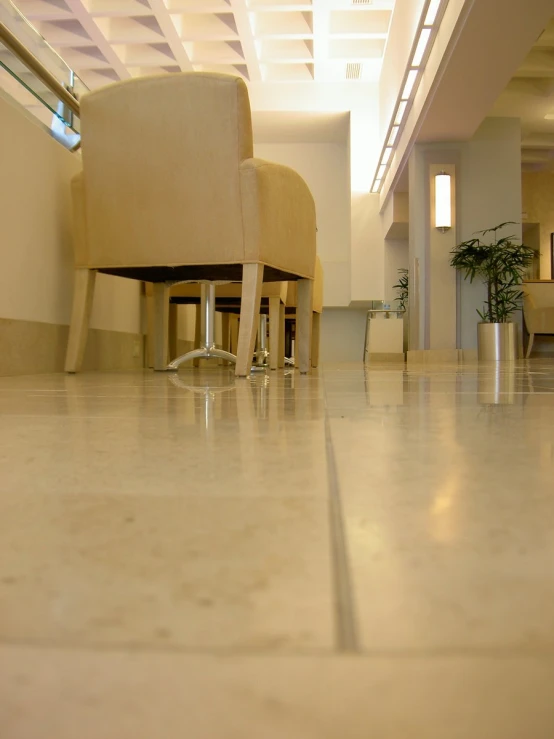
161, 159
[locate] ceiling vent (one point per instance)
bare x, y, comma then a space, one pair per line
353, 71
362, 2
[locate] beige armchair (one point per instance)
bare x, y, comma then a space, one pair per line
538, 309
170, 192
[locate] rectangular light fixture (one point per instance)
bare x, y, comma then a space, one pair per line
421, 46
443, 208
400, 112
416, 65
409, 86
432, 11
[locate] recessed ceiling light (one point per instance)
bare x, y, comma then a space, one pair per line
421, 46
400, 112
393, 135
409, 86
549, 116
432, 11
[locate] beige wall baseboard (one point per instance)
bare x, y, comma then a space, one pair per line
31, 347
468, 356
442, 356
386, 357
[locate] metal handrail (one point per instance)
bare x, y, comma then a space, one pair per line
38, 69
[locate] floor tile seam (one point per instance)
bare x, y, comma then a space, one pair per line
321, 496
286, 394
399, 654
346, 629
122, 647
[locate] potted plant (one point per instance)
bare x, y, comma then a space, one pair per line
402, 292
501, 263
401, 288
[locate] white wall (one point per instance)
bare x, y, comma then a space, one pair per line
342, 335
36, 280
490, 194
361, 100
396, 257
367, 259
325, 168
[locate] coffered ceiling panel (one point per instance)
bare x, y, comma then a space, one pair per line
261, 40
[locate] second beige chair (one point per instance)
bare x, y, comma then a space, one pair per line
538, 309
280, 297
170, 192
227, 296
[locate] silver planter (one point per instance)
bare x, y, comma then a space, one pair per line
497, 342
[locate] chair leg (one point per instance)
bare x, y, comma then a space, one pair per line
316, 327
234, 334
304, 325
530, 345
150, 333
274, 332
225, 335
173, 330
197, 332
225, 343
281, 357
161, 325
252, 278
83, 293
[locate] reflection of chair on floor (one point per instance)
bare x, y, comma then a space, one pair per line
538, 309
209, 392
170, 191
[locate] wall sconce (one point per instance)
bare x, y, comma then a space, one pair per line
443, 206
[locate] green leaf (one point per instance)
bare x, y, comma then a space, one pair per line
501, 263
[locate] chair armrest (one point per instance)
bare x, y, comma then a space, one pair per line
278, 214
528, 300
543, 320
539, 320
318, 287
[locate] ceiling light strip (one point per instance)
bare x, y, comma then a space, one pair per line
423, 43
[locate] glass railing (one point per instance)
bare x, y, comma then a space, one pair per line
35, 76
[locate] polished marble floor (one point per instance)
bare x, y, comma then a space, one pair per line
358, 553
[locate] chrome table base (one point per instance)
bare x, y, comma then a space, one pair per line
208, 349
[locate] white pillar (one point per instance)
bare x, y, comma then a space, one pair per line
433, 293
486, 191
